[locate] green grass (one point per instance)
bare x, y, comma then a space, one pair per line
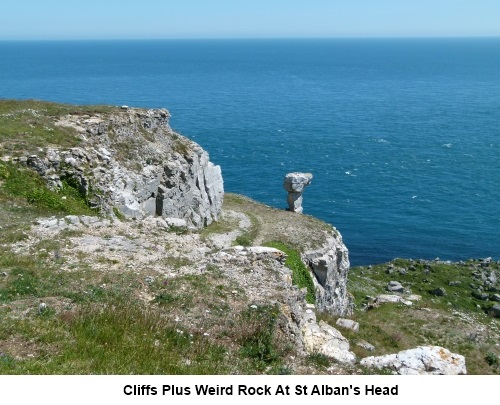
257, 338
421, 278
301, 276
450, 321
27, 125
119, 338
25, 185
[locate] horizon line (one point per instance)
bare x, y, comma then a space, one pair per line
247, 38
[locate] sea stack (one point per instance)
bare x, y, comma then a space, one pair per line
295, 183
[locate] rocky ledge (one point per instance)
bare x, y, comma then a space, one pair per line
131, 164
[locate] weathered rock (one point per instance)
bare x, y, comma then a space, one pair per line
176, 222
330, 265
348, 324
395, 286
323, 338
420, 360
391, 299
440, 292
365, 345
294, 184
131, 163
482, 296
495, 311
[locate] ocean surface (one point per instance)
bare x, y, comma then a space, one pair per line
402, 135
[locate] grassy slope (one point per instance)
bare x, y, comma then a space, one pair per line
28, 125
457, 321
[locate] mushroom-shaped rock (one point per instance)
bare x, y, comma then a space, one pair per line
295, 183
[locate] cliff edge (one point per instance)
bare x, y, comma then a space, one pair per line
128, 162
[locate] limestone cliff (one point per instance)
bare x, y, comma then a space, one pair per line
330, 265
131, 163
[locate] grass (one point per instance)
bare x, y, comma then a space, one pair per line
87, 328
257, 338
29, 124
299, 231
123, 338
301, 276
23, 184
453, 321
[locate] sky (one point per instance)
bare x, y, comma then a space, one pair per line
162, 19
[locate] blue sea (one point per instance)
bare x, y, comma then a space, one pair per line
402, 135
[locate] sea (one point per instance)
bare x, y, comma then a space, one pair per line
402, 136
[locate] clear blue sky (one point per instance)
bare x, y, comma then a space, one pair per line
124, 19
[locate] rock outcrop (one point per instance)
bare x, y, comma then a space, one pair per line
295, 183
131, 163
330, 265
421, 360
325, 339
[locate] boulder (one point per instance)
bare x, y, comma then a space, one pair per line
365, 345
482, 296
391, 299
495, 311
348, 324
395, 286
325, 339
422, 360
440, 292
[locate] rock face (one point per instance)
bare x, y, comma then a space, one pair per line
421, 360
295, 183
330, 265
131, 163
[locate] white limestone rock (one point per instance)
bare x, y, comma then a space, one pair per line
422, 360
348, 324
330, 265
392, 299
132, 161
395, 286
294, 184
325, 339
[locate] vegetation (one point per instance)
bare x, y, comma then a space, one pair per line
301, 276
30, 124
24, 185
457, 321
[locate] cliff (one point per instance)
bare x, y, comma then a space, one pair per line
121, 253
129, 162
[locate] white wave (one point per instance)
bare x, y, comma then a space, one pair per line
447, 145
